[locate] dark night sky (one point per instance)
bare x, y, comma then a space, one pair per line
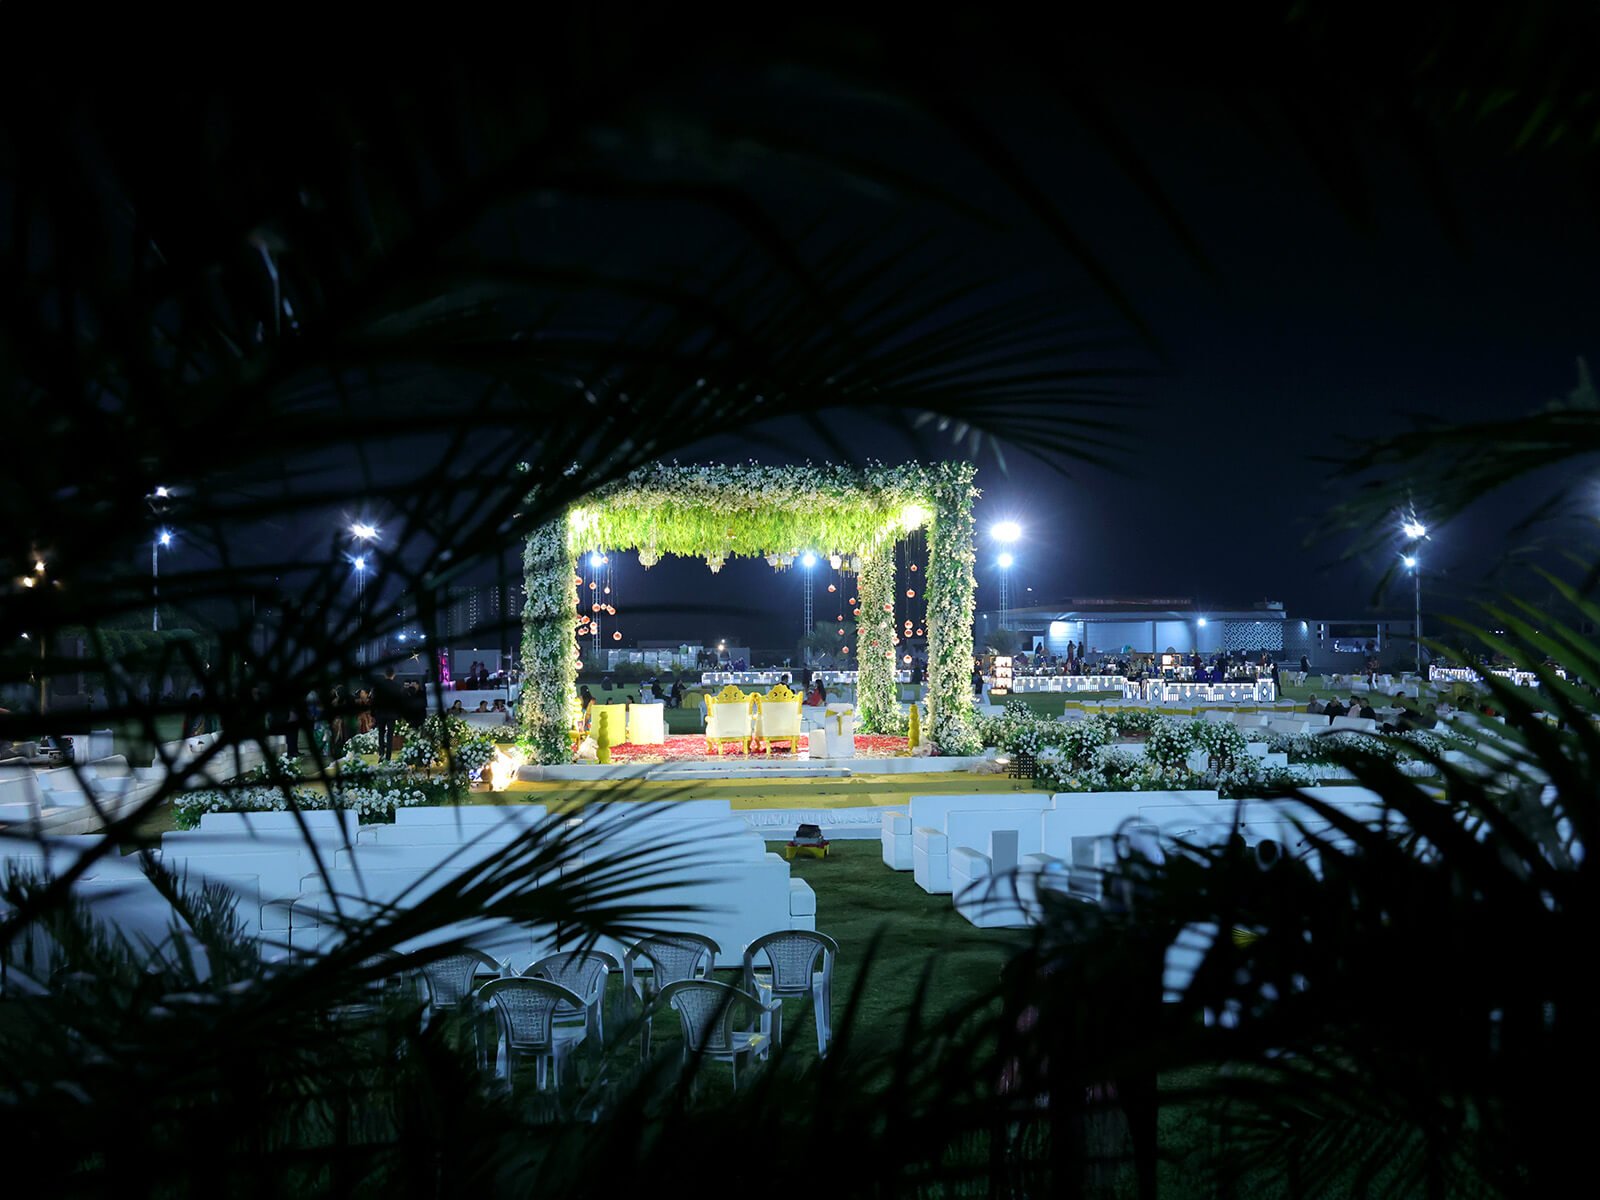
1308, 335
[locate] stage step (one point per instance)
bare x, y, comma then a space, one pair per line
670, 771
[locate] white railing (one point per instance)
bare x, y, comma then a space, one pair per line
767, 678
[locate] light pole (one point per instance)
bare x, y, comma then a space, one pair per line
1415, 531
1004, 563
159, 501
807, 613
162, 540
596, 560
363, 532
1005, 532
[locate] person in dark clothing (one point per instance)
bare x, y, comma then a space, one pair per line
388, 702
194, 716
1335, 709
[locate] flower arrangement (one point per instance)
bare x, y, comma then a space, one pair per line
1169, 744
449, 742
1224, 742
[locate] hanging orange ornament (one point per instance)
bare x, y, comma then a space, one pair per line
911, 593
888, 608
844, 649
907, 658
591, 585
913, 566
855, 612
617, 637
831, 588
608, 591
841, 632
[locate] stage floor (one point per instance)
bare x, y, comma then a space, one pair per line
847, 809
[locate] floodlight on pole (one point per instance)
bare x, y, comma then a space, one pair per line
163, 539
1006, 531
1415, 531
807, 607
364, 532
1004, 562
597, 559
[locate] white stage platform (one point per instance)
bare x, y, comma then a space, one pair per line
740, 767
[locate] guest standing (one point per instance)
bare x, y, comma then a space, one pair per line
388, 702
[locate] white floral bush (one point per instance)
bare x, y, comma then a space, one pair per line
450, 743
370, 804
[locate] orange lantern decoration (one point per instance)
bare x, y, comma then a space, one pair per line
913, 566
608, 591
617, 637
841, 632
889, 608
852, 600
591, 585
831, 588
907, 658
911, 593
844, 649
840, 617
919, 633
855, 612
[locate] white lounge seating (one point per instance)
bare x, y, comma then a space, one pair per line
647, 724
896, 841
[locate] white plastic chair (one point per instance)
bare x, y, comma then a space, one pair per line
584, 973
451, 979
526, 1010
713, 1018
792, 956
673, 958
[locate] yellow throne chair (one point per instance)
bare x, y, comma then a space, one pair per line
728, 719
778, 719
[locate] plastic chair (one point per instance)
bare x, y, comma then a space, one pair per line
526, 1010
792, 955
583, 972
710, 1012
673, 958
451, 979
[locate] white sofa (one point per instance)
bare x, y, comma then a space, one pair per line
895, 838
930, 843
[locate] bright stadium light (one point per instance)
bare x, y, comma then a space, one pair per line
808, 559
1005, 560
361, 564
1414, 529
1201, 622
166, 537
1410, 560
162, 492
363, 531
597, 559
1006, 531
